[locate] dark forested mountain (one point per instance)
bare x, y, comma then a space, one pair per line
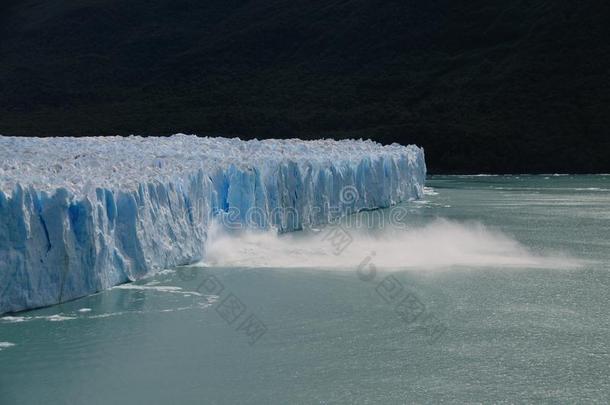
484, 86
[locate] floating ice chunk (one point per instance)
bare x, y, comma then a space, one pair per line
158, 288
13, 319
6, 345
56, 318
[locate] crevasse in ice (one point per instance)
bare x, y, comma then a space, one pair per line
78, 215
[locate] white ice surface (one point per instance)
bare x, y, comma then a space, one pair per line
78, 215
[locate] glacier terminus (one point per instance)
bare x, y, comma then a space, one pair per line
79, 215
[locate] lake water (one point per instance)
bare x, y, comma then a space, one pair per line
492, 289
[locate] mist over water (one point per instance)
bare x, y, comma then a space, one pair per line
439, 244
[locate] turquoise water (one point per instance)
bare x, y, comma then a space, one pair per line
509, 293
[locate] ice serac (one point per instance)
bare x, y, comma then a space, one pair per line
78, 215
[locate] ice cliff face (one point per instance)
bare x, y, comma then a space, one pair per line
78, 215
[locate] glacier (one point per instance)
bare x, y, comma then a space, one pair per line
79, 215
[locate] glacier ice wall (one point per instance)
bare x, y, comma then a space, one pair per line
78, 215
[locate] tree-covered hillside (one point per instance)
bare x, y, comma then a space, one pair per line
484, 86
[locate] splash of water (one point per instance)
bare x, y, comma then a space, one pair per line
439, 244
